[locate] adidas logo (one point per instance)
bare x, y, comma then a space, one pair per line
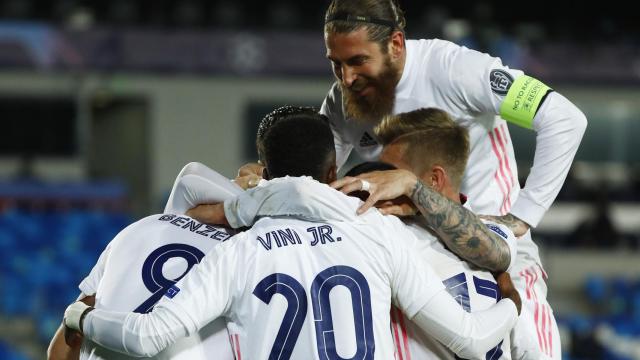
367, 140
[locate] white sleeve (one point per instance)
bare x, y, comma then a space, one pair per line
89, 284
467, 79
187, 307
524, 345
413, 280
420, 294
332, 109
559, 124
507, 235
469, 335
198, 184
301, 197
559, 127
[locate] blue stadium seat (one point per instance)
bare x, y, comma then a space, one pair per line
7, 352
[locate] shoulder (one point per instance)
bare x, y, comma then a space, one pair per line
445, 53
332, 105
432, 48
396, 233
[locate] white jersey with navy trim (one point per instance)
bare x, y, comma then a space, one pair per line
140, 265
473, 289
301, 289
443, 75
334, 283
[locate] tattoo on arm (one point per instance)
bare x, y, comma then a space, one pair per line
516, 225
461, 230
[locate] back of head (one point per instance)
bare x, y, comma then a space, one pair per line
369, 166
430, 137
298, 143
394, 126
380, 17
280, 113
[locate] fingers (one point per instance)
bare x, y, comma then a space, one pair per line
397, 209
251, 169
72, 338
371, 201
352, 183
247, 181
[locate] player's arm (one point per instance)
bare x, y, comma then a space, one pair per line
470, 335
461, 230
192, 306
419, 292
198, 184
559, 127
483, 84
65, 345
58, 349
288, 196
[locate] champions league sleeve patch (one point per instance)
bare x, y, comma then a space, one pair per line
496, 229
172, 291
500, 81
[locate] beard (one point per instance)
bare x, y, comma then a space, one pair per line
371, 108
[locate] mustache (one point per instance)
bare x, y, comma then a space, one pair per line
360, 84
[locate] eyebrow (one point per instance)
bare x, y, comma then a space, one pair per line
351, 59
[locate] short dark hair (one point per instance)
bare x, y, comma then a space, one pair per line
369, 166
374, 15
297, 144
280, 113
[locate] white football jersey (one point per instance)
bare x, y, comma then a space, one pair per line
306, 290
471, 86
443, 75
140, 265
473, 289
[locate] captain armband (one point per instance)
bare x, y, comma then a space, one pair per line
523, 100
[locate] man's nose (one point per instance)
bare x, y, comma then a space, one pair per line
348, 76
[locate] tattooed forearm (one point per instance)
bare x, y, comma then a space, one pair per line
461, 230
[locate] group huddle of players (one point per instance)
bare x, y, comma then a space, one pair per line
424, 252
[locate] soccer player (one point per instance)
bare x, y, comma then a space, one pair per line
489, 251
440, 168
474, 289
140, 265
379, 72
335, 281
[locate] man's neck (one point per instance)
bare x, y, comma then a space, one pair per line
451, 194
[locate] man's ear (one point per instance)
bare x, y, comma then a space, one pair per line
396, 45
439, 180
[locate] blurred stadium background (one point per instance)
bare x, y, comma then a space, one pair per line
102, 103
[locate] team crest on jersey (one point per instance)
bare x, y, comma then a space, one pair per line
172, 291
500, 81
496, 229
367, 140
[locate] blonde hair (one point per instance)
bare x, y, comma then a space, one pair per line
430, 137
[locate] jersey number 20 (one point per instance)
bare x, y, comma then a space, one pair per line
295, 314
